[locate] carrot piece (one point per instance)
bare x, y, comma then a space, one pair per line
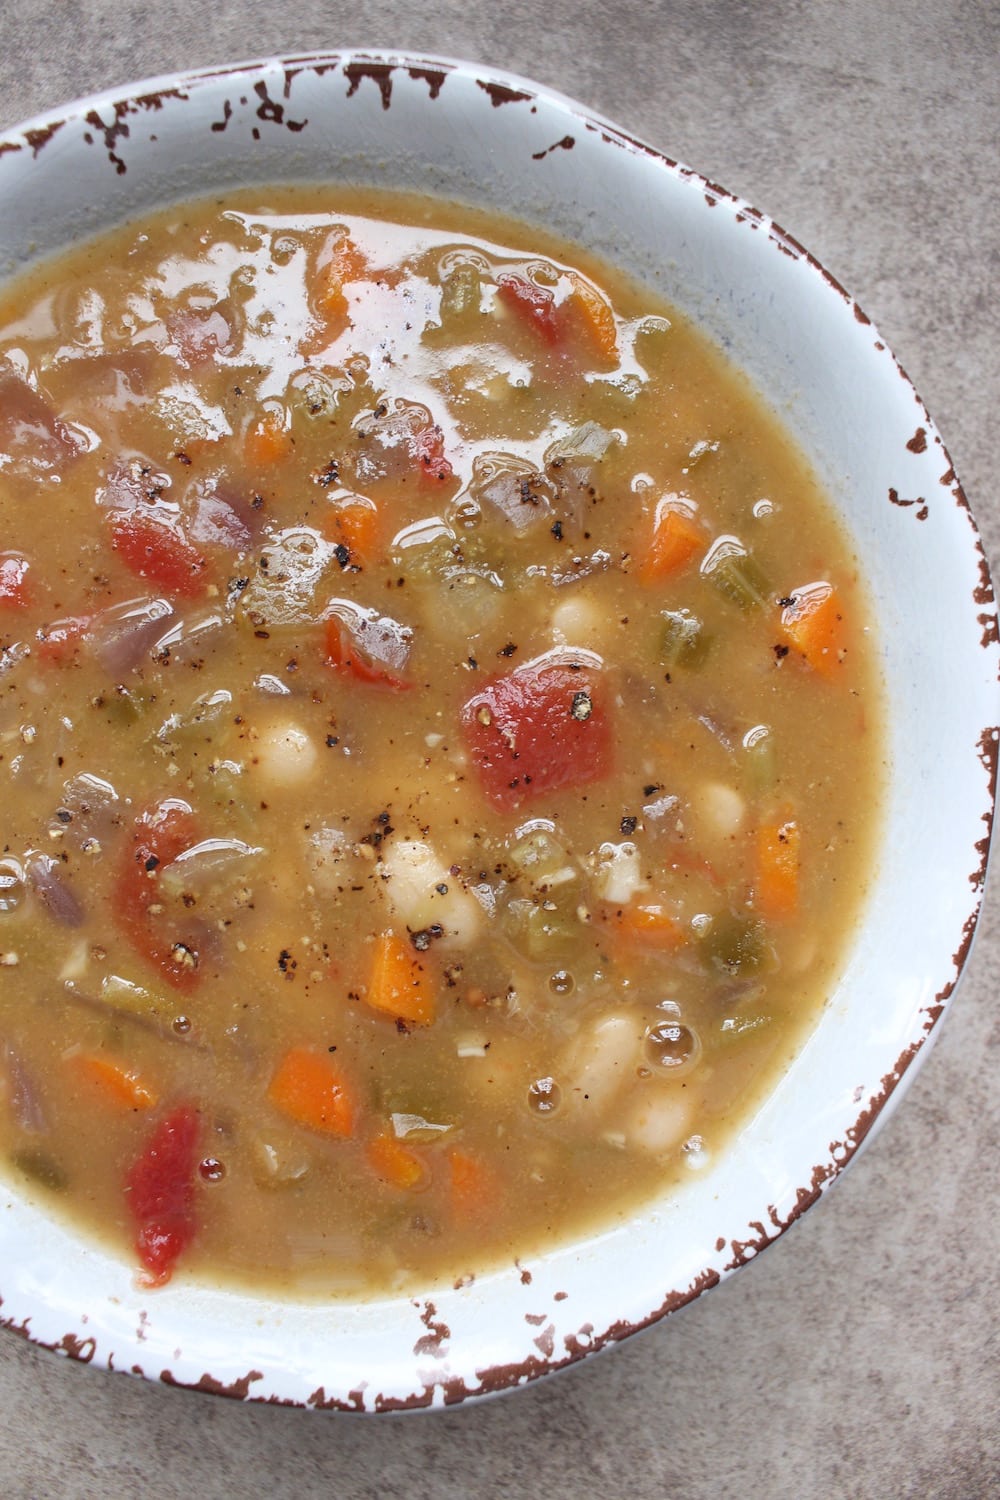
309, 1090
473, 1189
398, 983
813, 623
596, 316
776, 888
676, 538
653, 925
119, 1086
354, 525
396, 1163
268, 441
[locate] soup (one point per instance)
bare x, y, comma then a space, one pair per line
440, 735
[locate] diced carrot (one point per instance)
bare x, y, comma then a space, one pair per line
309, 1090
396, 1163
347, 263
776, 887
813, 623
653, 925
473, 1187
268, 441
398, 982
354, 525
119, 1086
676, 538
596, 316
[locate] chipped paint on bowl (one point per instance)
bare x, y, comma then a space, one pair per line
491, 139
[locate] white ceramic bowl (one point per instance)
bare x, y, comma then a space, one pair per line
487, 138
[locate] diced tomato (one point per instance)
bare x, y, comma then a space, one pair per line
155, 551
159, 837
544, 727
428, 450
160, 1192
199, 334
59, 642
535, 305
375, 650
15, 589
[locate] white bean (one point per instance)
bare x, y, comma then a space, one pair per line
284, 755
601, 1061
579, 621
659, 1120
422, 892
719, 808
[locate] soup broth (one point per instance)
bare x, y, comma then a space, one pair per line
439, 738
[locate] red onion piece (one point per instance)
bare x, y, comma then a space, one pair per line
56, 895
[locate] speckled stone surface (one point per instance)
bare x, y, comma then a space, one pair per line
861, 1356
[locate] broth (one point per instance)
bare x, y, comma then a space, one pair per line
441, 739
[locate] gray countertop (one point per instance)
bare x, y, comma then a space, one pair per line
861, 1356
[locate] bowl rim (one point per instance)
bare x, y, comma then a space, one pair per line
410, 1391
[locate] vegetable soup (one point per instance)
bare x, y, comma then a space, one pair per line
440, 740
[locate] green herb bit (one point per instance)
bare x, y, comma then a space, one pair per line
737, 576
683, 640
41, 1168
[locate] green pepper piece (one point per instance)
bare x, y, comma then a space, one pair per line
735, 945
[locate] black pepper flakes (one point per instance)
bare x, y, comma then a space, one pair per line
628, 825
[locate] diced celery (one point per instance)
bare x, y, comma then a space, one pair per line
736, 574
761, 761
683, 640
460, 295
543, 931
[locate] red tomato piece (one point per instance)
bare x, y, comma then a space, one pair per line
160, 836
200, 334
535, 305
59, 642
543, 728
376, 651
428, 450
160, 1191
15, 590
155, 551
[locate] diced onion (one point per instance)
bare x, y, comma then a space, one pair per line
619, 873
